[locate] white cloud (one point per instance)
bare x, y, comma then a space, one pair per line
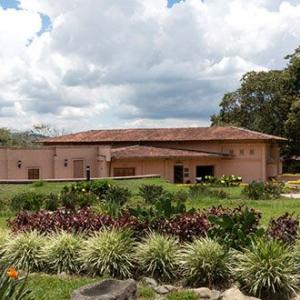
136, 62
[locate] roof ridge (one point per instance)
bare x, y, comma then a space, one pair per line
253, 131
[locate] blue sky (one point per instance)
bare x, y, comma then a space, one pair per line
46, 22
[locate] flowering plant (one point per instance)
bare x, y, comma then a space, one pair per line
12, 286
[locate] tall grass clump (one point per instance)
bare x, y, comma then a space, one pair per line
108, 252
205, 261
158, 256
23, 250
61, 253
267, 268
4, 236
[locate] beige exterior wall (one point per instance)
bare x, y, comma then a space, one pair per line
251, 161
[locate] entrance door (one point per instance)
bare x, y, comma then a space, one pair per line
202, 171
178, 174
78, 168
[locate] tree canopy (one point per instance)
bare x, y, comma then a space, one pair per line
29, 138
267, 101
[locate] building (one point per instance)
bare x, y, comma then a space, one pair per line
177, 154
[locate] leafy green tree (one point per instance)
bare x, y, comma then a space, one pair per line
292, 127
266, 101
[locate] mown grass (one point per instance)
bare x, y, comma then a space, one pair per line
53, 287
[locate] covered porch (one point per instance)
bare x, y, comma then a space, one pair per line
175, 165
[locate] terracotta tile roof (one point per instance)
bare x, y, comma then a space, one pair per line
161, 134
138, 151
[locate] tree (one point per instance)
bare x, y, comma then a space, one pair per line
5, 137
265, 102
292, 127
46, 130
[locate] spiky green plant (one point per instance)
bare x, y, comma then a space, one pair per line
61, 252
158, 256
108, 252
24, 251
4, 236
267, 268
204, 261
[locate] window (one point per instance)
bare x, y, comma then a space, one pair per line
119, 172
242, 152
252, 152
33, 173
231, 151
186, 172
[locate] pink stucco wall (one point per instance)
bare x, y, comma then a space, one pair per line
251, 161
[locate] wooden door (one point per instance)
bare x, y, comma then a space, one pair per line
78, 170
178, 174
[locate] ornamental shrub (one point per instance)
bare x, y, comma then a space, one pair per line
260, 190
267, 268
24, 251
158, 256
117, 194
151, 192
205, 261
31, 201
76, 221
61, 253
284, 228
185, 226
234, 227
108, 252
52, 202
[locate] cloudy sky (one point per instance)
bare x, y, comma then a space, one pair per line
83, 64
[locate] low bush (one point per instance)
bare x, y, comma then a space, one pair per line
151, 192
260, 190
39, 183
205, 261
12, 286
61, 253
185, 226
117, 194
52, 202
198, 190
27, 201
164, 208
181, 196
234, 227
24, 251
158, 256
267, 268
96, 187
108, 253
63, 219
284, 228
73, 200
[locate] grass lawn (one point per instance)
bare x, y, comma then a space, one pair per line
52, 287
56, 287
